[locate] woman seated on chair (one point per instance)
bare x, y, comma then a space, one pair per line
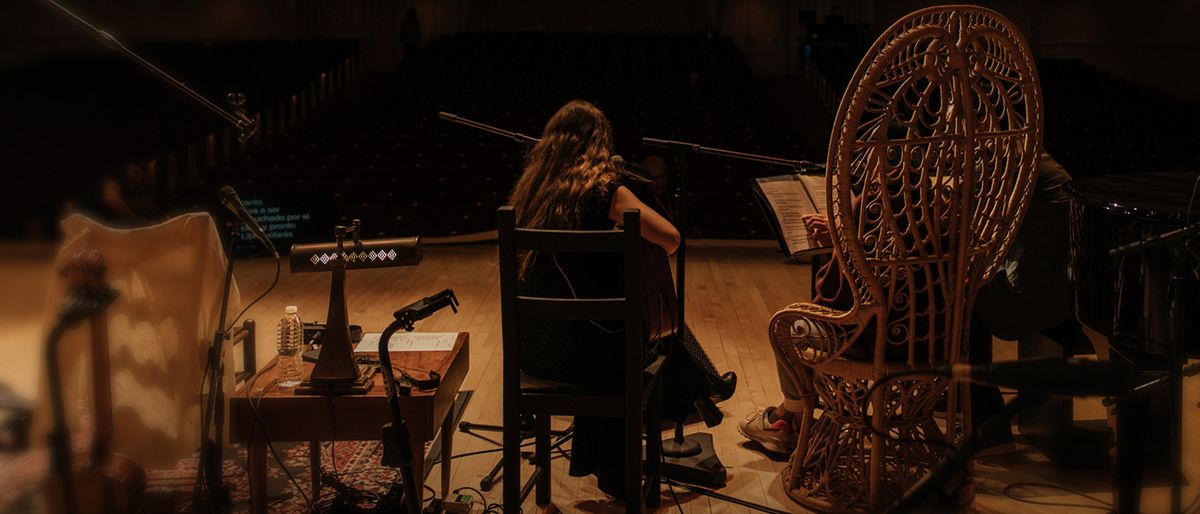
570, 183
1029, 309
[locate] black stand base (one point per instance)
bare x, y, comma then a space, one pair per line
681, 449
703, 469
366, 380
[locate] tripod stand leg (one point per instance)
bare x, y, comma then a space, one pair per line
489, 480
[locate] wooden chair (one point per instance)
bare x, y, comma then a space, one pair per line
931, 165
525, 395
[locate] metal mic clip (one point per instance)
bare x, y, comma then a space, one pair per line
246, 126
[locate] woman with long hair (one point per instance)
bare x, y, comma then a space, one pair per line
571, 183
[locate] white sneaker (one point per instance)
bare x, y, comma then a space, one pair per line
775, 437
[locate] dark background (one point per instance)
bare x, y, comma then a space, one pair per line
348, 91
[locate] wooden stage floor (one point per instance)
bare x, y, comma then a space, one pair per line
733, 289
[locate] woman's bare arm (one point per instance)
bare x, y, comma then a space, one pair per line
655, 228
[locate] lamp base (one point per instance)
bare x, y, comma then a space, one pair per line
366, 380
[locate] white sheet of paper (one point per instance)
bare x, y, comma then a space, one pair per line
793, 196
410, 342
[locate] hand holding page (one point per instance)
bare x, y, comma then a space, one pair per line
410, 342
787, 199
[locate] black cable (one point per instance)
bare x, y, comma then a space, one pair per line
488, 508
432, 494
1101, 504
264, 294
333, 433
266, 437
866, 402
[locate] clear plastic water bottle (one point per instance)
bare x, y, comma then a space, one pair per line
291, 345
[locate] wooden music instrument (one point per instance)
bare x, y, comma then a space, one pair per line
658, 284
107, 482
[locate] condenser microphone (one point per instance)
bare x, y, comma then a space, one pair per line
1053, 376
229, 198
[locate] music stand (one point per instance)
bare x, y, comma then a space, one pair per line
1128, 490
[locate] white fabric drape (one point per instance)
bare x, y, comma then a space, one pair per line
169, 277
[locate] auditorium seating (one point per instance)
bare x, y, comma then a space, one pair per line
386, 158
73, 118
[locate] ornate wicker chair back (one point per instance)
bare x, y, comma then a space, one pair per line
931, 165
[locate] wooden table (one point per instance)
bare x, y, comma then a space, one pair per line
288, 417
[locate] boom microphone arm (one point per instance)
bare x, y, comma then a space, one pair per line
245, 125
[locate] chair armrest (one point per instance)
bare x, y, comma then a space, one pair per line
815, 333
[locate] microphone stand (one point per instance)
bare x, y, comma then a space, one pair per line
681, 150
681, 147
245, 125
624, 168
515, 136
397, 453
210, 486
1127, 492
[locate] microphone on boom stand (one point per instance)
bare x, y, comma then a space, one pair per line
229, 198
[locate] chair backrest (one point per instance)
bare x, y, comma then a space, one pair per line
932, 162
514, 306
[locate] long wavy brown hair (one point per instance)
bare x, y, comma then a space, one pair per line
572, 159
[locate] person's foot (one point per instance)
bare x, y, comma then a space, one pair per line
724, 386
774, 435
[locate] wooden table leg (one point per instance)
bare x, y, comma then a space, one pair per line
256, 464
447, 451
314, 468
418, 451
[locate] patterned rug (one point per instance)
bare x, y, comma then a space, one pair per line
354, 464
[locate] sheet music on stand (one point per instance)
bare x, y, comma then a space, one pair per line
785, 199
409, 342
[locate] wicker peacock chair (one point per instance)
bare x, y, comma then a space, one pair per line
931, 165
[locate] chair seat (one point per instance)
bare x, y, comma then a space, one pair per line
531, 384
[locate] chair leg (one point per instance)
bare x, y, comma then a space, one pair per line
653, 487
633, 460
875, 468
512, 459
542, 459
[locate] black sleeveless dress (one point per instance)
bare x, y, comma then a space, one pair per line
591, 352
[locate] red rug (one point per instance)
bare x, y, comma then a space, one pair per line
353, 463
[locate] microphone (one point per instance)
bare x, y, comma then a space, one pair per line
629, 169
229, 198
1053, 376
